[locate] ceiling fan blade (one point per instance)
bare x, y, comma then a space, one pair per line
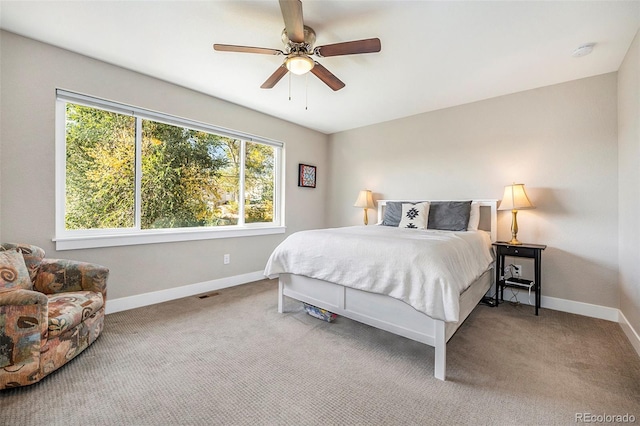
369, 45
246, 49
275, 77
293, 22
327, 77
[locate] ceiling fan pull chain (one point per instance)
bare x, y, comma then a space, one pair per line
306, 92
289, 86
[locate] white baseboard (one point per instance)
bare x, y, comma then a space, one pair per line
632, 334
139, 300
564, 305
580, 308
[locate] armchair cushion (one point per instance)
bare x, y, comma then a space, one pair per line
13, 271
67, 310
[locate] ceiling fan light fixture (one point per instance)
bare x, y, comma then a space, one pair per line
299, 64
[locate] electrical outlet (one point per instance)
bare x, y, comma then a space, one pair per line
226, 259
517, 270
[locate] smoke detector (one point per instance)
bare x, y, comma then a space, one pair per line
583, 50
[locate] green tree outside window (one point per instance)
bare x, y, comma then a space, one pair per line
189, 178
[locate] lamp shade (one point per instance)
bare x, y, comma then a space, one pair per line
365, 200
515, 198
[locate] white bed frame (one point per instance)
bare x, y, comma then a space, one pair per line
391, 314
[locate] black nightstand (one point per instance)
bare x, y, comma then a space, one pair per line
531, 251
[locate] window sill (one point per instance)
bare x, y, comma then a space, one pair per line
161, 236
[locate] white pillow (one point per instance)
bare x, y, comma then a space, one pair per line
474, 217
414, 216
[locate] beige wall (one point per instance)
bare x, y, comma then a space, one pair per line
31, 71
629, 183
560, 141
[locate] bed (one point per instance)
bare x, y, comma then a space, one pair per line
429, 315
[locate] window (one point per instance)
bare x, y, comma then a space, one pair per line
131, 176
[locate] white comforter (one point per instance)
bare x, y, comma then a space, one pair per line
426, 269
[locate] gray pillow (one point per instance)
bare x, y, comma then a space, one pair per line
392, 213
449, 215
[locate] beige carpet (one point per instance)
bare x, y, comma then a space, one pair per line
232, 359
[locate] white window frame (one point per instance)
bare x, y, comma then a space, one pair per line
92, 238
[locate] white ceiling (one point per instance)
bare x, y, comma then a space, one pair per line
435, 54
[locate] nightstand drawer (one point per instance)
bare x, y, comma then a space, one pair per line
517, 251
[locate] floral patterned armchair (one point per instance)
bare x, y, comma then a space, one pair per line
50, 311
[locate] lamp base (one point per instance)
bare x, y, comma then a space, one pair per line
514, 228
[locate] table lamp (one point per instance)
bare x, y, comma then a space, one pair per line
514, 199
365, 201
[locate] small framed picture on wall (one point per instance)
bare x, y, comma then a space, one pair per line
306, 175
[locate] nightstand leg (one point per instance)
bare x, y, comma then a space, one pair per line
499, 267
537, 277
496, 294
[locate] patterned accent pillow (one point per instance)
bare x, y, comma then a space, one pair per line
414, 216
32, 255
13, 271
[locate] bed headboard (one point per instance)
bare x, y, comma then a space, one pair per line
488, 213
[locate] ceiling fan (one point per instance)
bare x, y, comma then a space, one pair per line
299, 40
